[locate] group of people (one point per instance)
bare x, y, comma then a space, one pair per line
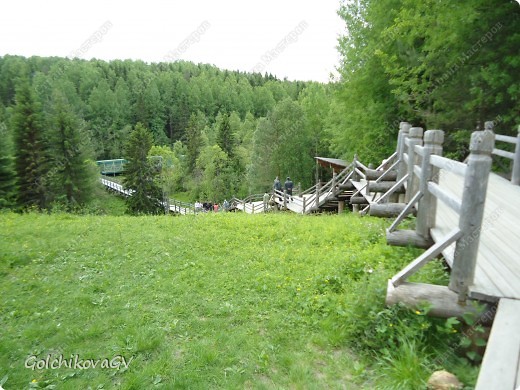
288, 186
206, 206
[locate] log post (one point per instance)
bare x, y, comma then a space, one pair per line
404, 129
333, 189
426, 210
304, 200
515, 177
318, 188
285, 199
472, 211
341, 206
355, 176
415, 138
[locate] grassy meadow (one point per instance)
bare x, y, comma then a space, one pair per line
211, 301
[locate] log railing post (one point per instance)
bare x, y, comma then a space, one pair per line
318, 188
472, 212
355, 176
427, 207
285, 199
303, 205
333, 189
415, 138
515, 177
404, 129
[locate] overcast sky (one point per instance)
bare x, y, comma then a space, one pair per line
293, 39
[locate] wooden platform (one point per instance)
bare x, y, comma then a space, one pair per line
497, 274
501, 364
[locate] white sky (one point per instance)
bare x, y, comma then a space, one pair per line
236, 37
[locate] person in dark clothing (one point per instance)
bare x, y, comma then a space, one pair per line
289, 187
277, 186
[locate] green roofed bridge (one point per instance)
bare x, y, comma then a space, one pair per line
112, 167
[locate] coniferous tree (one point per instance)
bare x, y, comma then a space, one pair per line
225, 138
194, 141
72, 173
140, 174
30, 161
7, 172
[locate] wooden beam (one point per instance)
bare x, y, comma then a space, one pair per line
385, 186
445, 196
348, 186
442, 300
407, 238
372, 174
358, 200
503, 153
394, 187
387, 210
452, 166
430, 254
405, 211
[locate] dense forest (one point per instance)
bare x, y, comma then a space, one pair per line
227, 133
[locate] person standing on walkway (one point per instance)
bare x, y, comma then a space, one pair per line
289, 187
277, 186
266, 202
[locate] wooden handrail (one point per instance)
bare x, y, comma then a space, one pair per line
449, 165
445, 196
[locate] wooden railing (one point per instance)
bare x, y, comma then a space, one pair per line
180, 207
248, 204
424, 164
514, 156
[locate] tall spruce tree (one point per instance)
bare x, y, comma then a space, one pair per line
225, 137
30, 161
140, 174
72, 174
7, 172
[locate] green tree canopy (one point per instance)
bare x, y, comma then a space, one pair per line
140, 174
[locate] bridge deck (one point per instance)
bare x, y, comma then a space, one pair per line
497, 274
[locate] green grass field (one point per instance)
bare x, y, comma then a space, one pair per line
197, 302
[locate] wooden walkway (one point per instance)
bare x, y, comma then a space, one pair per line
497, 273
175, 206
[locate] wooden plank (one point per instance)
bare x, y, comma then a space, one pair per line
450, 165
503, 153
429, 254
441, 194
499, 239
499, 368
506, 138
